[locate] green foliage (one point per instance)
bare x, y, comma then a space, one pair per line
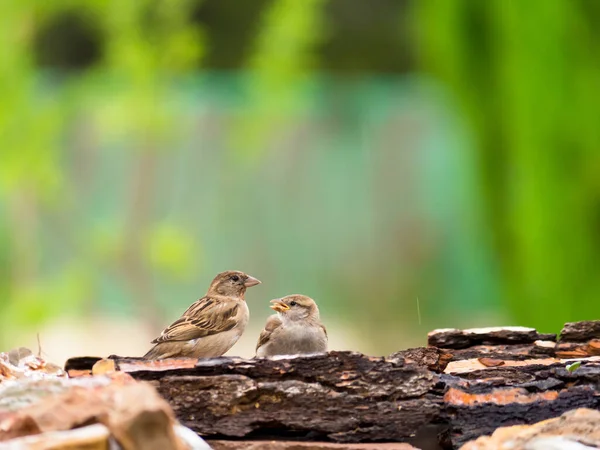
51, 272
29, 122
281, 61
172, 252
147, 44
60, 294
527, 74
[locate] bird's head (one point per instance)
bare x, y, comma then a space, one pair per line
296, 307
232, 283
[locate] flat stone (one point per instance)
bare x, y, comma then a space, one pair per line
470, 365
133, 412
556, 443
575, 430
459, 339
295, 445
21, 363
580, 331
92, 437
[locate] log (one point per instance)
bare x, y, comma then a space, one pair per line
457, 339
339, 396
478, 380
476, 402
528, 381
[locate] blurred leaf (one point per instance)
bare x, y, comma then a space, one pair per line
148, 43
59, 295
172, 251
106, 241
529, 90
282, 58
573, 366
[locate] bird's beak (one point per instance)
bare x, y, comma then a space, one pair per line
279, 306
251, 281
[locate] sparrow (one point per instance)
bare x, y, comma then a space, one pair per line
295, 329
211, 325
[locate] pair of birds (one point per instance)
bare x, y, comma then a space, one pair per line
214, 323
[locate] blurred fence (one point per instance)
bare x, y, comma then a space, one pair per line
361, 196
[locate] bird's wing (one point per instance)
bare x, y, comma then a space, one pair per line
273, 322
324, 330
204, 317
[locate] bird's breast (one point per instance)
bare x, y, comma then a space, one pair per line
303, 339
243, 316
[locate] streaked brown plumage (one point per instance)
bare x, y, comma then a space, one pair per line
211, 325
295, 329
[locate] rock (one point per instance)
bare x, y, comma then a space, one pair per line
574, 430
556, 443
139, 418
103, 366
477, 401
21, 363
92, 437
578, 349
517, 352
580, 331
457, 339
189, 439
17, 394
133, 411
295, 445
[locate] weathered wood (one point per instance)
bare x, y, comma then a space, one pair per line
457, 339
574, 430
81, 363
295, 445
578, 349
353, 398
433, 358
480, 417
482, 379
477, 402
519, 352
580, 331
340, 396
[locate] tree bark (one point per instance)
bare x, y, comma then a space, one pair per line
501, 377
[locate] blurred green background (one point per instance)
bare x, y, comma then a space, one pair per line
409, 164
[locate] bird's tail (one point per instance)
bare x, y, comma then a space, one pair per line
163, 350
153, 353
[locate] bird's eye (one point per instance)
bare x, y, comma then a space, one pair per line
293, 303
235, 278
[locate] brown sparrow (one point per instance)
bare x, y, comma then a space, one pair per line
295, 329
211, 325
